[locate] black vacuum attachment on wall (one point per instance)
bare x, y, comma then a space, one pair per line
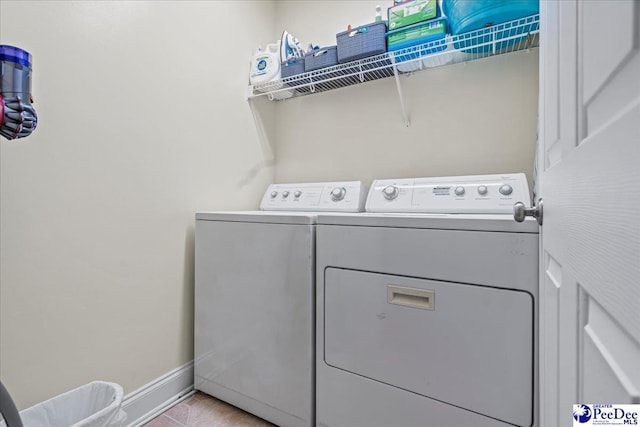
18, 118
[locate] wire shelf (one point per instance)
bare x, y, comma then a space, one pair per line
512, 36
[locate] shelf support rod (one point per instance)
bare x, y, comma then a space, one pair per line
405, 116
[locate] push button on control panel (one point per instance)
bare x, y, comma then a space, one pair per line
390, 192
506, 189
338, 194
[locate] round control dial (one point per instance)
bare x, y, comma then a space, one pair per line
506, 189
390, 192
459, 191
338, 193
285, 194
297, 194
274, 194
482, 190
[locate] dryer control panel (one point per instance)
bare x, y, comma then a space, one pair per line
485, 194
348, 196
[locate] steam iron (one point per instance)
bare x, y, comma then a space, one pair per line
289, 47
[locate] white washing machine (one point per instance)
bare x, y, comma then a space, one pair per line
254, 300
426, 307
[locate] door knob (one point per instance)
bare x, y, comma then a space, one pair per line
520, 211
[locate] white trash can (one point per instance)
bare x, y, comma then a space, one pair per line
97, 404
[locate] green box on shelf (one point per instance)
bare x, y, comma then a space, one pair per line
412, 12
418, 33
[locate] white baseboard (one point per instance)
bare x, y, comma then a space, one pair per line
160, 394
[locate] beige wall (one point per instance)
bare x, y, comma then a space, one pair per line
473, 118
142, 123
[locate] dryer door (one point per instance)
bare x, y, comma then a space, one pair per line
467, 345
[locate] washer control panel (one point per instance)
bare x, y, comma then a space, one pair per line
487, 194
346, 196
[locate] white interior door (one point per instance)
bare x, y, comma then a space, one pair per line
589, 159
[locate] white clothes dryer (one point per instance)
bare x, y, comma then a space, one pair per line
254, 300
428, 319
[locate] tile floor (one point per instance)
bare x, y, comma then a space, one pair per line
201, 410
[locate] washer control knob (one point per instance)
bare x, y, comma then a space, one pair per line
459, 191
338, 194
274, 194
482, 190
297, 194
390, 192
285, 194
506, 189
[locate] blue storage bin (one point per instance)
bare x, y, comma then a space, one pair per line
321, 58
361, 42
289, 73
465, 16
292, 67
